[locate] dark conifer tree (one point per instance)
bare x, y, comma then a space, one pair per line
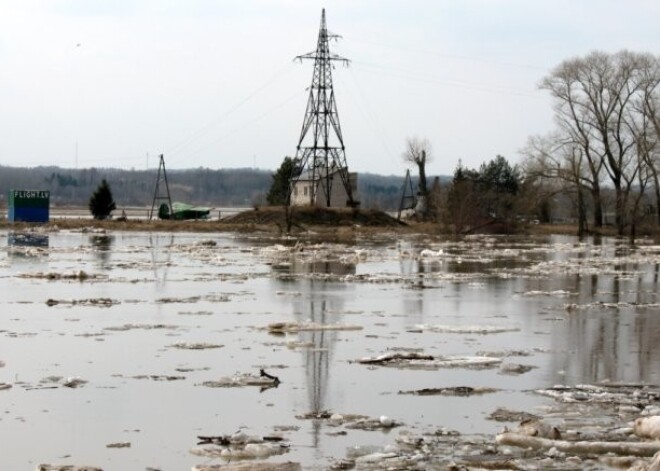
101, 203
279, 189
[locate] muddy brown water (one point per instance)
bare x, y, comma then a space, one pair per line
582, 311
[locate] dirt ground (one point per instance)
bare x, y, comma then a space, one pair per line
334, 221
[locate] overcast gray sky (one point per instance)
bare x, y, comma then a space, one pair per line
212, 83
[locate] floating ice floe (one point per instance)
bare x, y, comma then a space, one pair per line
428, 253
66, 467
240, 447
647, 427
557, 293
461, 391
160, 377
196, 345
619, 394
250, 466
414, 360
465, 329
502, 414
263, 380
352, 421
126, 327
293, 294
603, 305
505, 353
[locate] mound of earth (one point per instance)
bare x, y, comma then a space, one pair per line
310, 216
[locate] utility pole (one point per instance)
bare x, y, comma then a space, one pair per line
320, 149
161, 178
408, 200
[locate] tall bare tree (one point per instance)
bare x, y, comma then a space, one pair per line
418, 153
596, 101
650, 137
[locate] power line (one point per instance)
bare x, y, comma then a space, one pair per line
406, 75
367, 112
237, 129
451, 56
178, 147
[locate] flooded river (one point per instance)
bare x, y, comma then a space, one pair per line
131, 339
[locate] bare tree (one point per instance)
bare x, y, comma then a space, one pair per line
650, 138
596, 101
418, 153
562, 164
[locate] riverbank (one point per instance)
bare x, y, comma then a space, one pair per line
273, 220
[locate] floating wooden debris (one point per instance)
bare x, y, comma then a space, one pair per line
74, 382
294, 327
119, 445
189, 300
98, 302
77, 276
53, 382
451, 391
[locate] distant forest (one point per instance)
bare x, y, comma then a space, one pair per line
200, 186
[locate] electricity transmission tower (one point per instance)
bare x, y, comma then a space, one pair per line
320, 151
159, 196
408, 200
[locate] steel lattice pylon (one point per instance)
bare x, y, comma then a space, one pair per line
159, 197
320, 151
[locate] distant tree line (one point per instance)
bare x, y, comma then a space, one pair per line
199, 186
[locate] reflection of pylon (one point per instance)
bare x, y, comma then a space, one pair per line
158, 197
161, 254
408, 200
322, 156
